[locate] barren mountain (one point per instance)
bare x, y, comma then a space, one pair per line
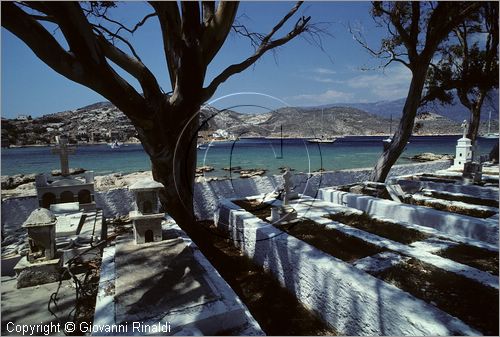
104, 122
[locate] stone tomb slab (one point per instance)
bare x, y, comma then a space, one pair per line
156, 278
33, 274
68, 225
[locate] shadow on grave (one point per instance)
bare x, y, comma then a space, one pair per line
156, 278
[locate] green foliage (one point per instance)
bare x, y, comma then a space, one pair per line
468, 61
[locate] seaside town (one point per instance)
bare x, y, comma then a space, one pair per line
175, 208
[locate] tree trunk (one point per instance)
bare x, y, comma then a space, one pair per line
171, 146
475, 118
405, 127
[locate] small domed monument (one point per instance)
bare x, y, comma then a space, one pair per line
146, 214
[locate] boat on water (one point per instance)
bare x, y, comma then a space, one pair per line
115, 144
204, 146
323, 138
490, 134
387, 141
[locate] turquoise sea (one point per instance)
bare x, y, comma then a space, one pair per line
269, 154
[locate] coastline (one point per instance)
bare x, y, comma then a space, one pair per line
248, 137
77, 144
107, 182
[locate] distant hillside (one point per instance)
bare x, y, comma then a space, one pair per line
103, 122
455, 111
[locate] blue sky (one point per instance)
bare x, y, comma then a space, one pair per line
299, 74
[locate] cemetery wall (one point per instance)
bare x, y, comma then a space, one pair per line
208, 194
324, 283
118, 201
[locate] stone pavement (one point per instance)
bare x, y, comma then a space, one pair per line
29, 305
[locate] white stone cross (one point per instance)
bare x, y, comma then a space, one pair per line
63, 150
464, 126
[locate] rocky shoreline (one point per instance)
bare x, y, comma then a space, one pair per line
21, 185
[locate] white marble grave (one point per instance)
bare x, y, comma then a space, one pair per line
66, 188
332, 287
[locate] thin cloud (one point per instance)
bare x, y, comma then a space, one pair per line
322, 79
392, 84
367, 86
329, 96
324, 71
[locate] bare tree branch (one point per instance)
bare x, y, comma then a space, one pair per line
47, 18
392, 56
83, 69
208, 9
43, 44
254, 37
113, 36
170, 23
217, 29
300, 26
133, 66
281, 22
134, 29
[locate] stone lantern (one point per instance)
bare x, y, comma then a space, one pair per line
41, 227
41, 265
146, 215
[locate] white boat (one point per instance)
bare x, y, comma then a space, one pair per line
115, 145
323, 138
490, 134
387, 141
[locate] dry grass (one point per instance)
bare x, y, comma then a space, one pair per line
470, 301
273, 306
479, 258
378, 227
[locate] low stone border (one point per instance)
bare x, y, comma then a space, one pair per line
350, 300
119, 201
462, 225
420, 250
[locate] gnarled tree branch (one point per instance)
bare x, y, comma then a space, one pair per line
170, 23
133, 66
267, 44
217, 26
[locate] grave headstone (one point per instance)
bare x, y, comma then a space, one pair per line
66, 188
285, 213
472, 172
41, 227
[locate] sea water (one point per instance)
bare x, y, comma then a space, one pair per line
269, 154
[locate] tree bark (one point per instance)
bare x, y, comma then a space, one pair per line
171, 146
475, 118
404, 130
